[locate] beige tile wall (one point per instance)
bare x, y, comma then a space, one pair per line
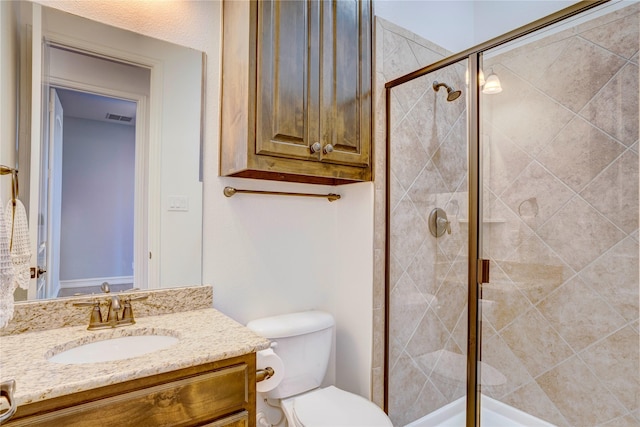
428, 169
560, 317
561, 173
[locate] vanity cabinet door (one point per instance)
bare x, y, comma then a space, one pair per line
287, 84
296, 91
236, 420
345, 119
222, 397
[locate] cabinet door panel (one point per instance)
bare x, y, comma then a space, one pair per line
236, 420
304, 77
287, 100
346, 81
180, 403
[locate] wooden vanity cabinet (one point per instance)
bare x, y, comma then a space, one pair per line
218, 394
296, 90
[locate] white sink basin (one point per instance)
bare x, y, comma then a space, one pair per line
113, 349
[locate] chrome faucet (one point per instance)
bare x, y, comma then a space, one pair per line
114, 307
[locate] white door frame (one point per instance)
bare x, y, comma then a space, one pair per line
53, 208
140, 252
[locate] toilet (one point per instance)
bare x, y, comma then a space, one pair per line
303, 342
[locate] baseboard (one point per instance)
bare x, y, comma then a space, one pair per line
95, 281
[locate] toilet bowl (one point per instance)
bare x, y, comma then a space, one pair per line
303, 343
332, 407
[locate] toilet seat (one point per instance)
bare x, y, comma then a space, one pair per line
332, 407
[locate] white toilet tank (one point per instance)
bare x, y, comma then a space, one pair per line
303, 342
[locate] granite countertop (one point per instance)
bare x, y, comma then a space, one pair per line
205, 335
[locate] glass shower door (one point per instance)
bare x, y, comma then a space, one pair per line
560, 225
428, 247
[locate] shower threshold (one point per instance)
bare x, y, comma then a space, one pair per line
494, 414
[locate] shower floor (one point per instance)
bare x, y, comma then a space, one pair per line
494, 414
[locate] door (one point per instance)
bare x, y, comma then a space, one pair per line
287, 79
345, 82
560, 342
53, 188
428, 227
49, 191
314, 81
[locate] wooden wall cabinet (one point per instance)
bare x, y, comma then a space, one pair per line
218, 394
296, 91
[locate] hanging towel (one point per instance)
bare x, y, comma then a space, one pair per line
20, 251
6, 273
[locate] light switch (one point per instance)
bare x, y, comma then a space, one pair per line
178, 203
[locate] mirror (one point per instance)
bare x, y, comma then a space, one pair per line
118, 124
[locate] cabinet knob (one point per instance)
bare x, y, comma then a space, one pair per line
327, 149
315, 147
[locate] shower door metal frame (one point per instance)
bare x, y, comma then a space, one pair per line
474, 61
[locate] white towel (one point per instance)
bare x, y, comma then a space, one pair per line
6, 274
20, 251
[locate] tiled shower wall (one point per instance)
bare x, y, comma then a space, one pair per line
561, 204
427, 275
560, 324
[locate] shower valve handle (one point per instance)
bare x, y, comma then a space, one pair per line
439, 223
443, 222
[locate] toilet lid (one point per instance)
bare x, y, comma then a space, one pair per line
332, 407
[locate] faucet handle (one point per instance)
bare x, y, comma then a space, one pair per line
140, 298
86, 303
95, 318
127, 310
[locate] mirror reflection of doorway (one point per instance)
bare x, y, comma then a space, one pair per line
91, 194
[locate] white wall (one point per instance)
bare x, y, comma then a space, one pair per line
97, 203
446, 23
459, 25
8, 84
352, 296
266, 255
494, 18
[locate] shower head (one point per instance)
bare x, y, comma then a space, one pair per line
452, 95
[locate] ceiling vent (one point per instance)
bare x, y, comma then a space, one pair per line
119, 118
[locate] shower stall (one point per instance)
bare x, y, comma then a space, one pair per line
512, 225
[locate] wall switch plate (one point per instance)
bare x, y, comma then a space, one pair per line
178, 203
